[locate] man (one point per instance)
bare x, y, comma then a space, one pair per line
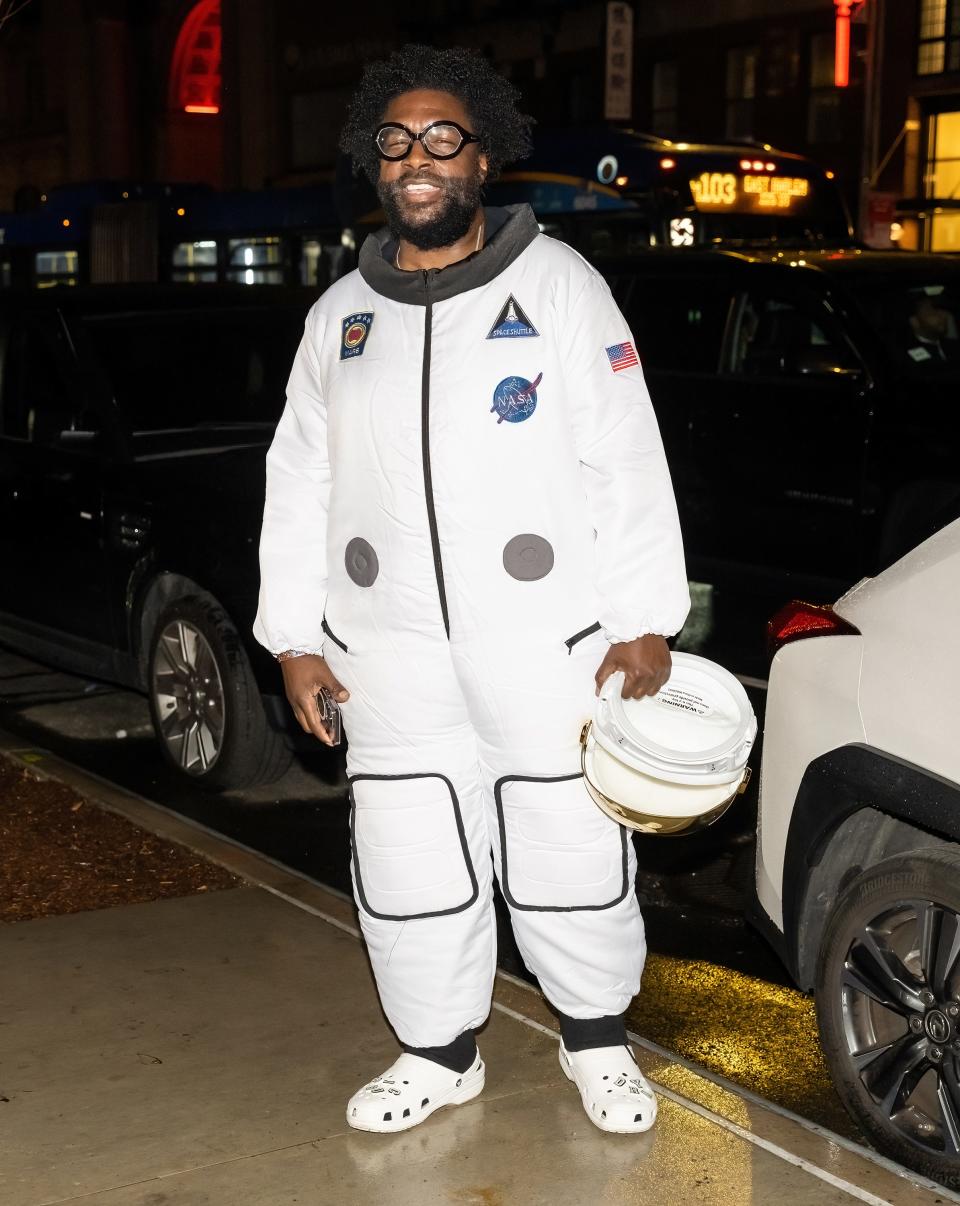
934, 330
470, 525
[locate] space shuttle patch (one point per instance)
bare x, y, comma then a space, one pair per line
512, 323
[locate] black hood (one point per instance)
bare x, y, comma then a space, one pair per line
510, 231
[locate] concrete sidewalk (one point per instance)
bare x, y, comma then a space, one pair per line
199, 1052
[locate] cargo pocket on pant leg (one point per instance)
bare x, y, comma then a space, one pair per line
558, 851
410, 853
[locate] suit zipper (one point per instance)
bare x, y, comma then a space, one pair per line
425, 449
581, 635
332, 635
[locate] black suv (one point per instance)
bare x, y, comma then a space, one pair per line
806, 401
133, 427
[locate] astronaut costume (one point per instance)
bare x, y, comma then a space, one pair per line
467, 501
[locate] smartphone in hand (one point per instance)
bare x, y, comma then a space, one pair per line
329, 715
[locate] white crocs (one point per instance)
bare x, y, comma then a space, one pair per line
613, 1090
409, 1092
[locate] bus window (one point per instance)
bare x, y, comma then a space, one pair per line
195, 262
321, 263
255, 261
56, 268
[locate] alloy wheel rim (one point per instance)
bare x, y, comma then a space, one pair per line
900, 1004
188, 697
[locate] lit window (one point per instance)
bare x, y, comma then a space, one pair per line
195, 70
56, 268
255, 261
942, 181
195, 263
938, 37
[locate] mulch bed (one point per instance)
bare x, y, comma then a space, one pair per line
61, 853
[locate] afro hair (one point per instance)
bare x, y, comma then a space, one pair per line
489, 98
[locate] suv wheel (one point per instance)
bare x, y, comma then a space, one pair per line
205, 704
888, 1006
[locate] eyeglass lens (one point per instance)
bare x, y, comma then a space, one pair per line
440, 140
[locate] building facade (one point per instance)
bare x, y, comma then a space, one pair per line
252, 93
913, 136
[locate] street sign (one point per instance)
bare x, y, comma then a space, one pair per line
618, 92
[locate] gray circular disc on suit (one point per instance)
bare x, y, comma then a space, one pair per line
528, 557
361, 562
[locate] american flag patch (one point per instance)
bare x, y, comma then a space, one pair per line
622, 356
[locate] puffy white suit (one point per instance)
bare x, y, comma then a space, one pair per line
467, 499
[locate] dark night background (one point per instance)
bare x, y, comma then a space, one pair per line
98, 89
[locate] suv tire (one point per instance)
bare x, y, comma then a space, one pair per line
888, 1007
205, 703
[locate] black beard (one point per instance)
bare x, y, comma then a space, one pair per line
450, 222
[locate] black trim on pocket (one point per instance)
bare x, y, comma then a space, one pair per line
504, 876
581, 635
458, 816
333, 637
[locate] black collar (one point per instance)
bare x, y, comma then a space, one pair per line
509, 231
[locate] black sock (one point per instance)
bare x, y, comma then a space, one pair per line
582, 1034
458, 1056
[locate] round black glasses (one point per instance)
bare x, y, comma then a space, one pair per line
441, 140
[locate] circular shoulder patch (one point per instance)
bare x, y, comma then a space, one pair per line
361, 562
528, 557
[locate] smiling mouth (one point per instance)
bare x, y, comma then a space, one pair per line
415, 190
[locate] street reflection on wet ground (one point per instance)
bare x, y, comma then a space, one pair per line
713, 990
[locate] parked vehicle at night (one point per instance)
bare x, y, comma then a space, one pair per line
133, 428
858, 857
805, 400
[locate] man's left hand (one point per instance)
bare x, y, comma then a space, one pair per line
645, 663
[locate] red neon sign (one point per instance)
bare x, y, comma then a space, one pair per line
195, 70
845, 9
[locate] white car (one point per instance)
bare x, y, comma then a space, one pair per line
858, 853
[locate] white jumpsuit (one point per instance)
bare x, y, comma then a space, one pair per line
467, 500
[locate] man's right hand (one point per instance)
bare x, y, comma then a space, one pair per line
302, 679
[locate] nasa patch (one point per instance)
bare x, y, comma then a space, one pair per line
515, 399
355, 329
512, 323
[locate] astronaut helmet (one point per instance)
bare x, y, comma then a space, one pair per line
674, 762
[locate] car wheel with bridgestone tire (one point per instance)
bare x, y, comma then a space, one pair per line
205, 703
888, 1007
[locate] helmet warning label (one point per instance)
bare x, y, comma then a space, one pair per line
684, 701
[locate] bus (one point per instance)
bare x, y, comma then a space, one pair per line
112, 231
606, 191
617, 191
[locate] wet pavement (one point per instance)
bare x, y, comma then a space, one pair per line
713, 990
